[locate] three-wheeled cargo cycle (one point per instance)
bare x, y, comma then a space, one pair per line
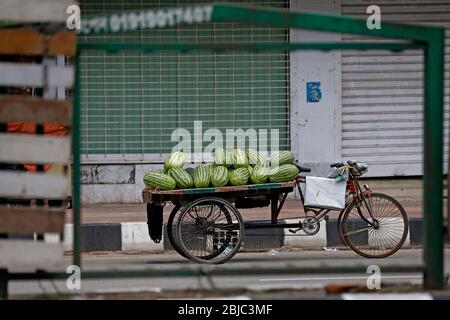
206, 226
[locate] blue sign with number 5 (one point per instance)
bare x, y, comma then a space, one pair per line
313, 93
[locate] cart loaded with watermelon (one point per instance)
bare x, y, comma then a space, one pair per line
206, 226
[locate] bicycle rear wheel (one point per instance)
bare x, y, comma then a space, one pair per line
210, 230
378, 235
171, 231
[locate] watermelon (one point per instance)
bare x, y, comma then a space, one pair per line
201, 176
282, 157
223, 157
284, 173
259, 174
211, 167
219, 176
229, 159
239, 176
176, 160
220, 156
181, 177
239, 158
159, 180
254, 157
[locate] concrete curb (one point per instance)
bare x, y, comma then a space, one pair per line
133, 236
375, 296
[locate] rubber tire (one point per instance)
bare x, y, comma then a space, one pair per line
171, 232
402, 240
241, 230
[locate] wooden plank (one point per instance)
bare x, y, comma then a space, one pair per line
32, 75
30, 109
35, 185
62, 42
29, 220
23, 254
21, 74
34, 11
21, 41
34, 148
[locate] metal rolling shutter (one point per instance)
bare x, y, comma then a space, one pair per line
132, 102
382, 92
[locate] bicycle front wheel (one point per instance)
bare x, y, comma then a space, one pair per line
376, 235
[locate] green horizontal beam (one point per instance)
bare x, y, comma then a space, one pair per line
169, 17
185, 47
210, 271
316, 21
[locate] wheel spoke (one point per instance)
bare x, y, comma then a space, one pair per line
207, 232
383, 239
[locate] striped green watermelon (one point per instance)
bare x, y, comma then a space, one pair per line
239, 158
176, 160
239, 176
229, 159
220, 156
284, 173
159, 180
254, 157
201, 176
259, 174
211, 167
282, 157
181, 177
219, 176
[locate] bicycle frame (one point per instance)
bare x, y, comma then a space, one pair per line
354, 191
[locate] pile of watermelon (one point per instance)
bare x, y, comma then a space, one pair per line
230, 167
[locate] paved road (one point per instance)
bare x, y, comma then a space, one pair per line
246, 260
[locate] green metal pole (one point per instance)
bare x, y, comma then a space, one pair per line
76, 166
286, 269
433, 166
186, 47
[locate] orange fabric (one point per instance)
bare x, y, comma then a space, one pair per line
21, 127
33, 168
30, 128
52, 129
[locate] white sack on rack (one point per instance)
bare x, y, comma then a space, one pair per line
325, 193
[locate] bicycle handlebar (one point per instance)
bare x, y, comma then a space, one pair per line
303, 169
341, 164
337, 165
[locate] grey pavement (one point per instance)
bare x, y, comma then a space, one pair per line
303, 258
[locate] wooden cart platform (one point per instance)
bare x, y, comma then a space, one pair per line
230, 192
